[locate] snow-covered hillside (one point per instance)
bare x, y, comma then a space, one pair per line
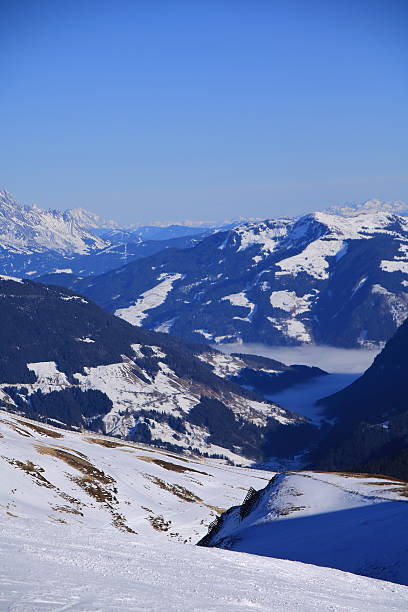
324, 278
66, 361
77, 479
87, 526
351, 522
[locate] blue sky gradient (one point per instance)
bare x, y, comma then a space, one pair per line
173, 110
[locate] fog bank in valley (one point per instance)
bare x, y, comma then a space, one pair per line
329, 358
343, 365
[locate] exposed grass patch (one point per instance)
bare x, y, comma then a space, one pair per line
119, 522
175, 489
94, 489
20, 431
172, 467
70, 499
290, 509
159, 523
78, 463
107, 443
41, 430
72, 450
68, 510
216, 509
35, 471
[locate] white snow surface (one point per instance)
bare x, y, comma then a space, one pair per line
152, 298
290, 302
62, 549
313, 260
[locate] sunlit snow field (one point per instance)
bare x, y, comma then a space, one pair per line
343, 365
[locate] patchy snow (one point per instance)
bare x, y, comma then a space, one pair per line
184, 490
240, 299
166, 326
74, 298
290, 302
394, 266
49, 378
30, 229
292, 328
358, 286
267, 234
152, 298
204, 333
223, 365
228, 338
11, 278
313, 260
397, 304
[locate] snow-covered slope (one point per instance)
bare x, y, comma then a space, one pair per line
323, 278
355, 523
88, 527
77, 479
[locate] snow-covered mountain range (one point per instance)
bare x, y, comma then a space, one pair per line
92, 524
35, 241
26, 230
337, 277
322, 278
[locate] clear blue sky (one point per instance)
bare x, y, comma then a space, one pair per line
201, 109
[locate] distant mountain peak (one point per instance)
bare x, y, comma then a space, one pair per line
30, 229
374, 205
90, 220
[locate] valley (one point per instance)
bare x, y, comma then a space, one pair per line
343, 366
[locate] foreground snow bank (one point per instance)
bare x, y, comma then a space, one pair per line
355, 523
47, 567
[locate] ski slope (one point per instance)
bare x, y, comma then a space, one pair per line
45, 567
93, 524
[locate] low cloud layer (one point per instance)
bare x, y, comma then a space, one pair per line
330, 359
